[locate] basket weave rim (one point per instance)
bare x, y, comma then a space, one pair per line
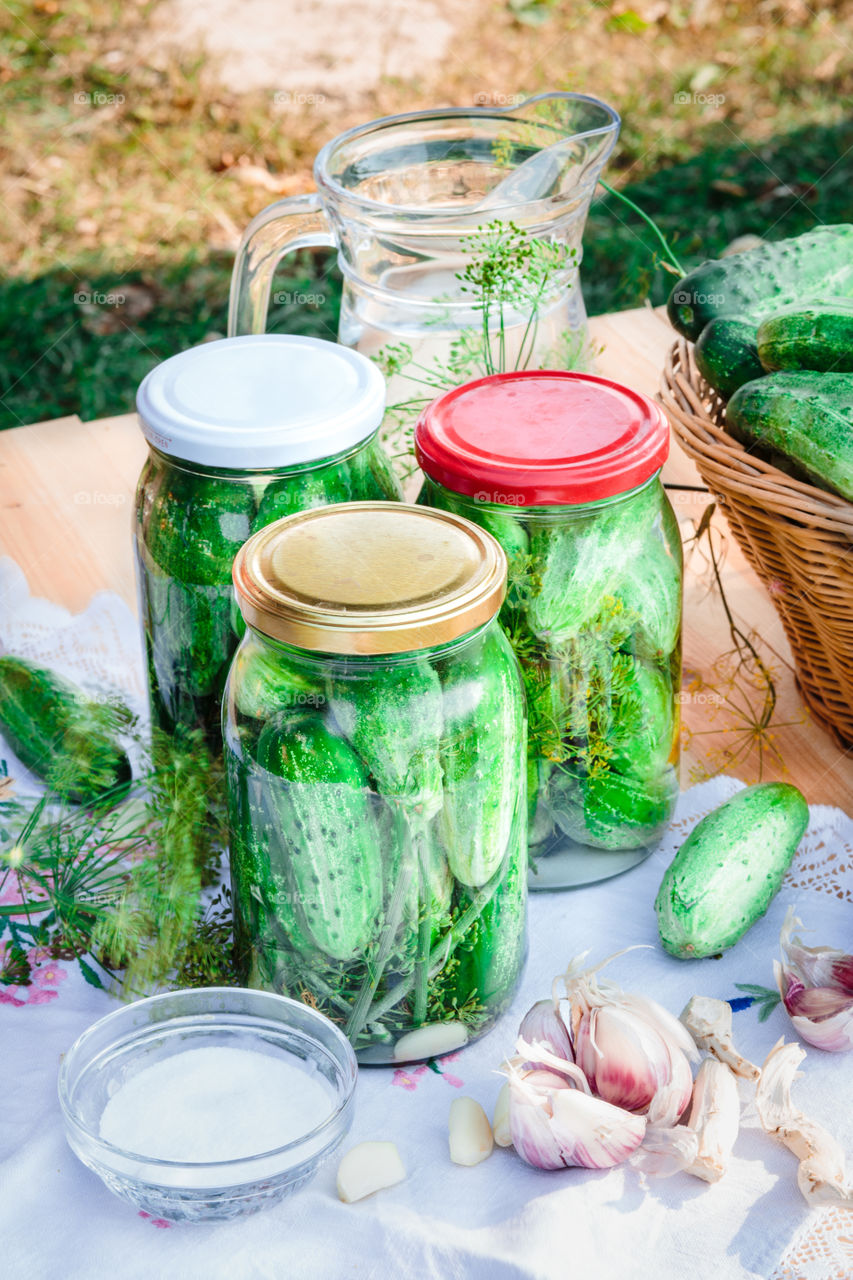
697, 413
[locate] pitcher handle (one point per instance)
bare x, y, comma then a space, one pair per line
297, 223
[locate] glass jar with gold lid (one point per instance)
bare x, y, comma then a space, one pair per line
375, 746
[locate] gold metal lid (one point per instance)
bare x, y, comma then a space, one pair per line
369, 577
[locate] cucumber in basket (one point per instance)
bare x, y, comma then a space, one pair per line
805, 416
729, 869
726, 354
755, 284
59, 734
814, 335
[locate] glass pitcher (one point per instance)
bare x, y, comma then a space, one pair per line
406, 199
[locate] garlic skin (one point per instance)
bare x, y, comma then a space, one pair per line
714, 1118
500, 1118
542, 1024
666, 1151
816, 986
709, 1021
555, 1126
821, 1175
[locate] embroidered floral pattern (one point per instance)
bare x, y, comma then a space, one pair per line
155, 1222
409, 1077
45, 976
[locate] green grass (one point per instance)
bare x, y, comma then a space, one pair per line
54, 360
122, 170
700, 218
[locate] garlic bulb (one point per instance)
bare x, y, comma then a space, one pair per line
821, 1176
709, 1021
816, 986
597, 1069
555, 1125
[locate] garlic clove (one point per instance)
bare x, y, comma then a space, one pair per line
818, 1188
530, 1114
470, 1134
368, 1167
821, 1176
815, 1003
593, 1133
714, 1118
815, 966
816, 986
542, 1024
709, 1022
500, 1118
833, 1035
666, 1023
672, 1098
625, 1059
430, 1041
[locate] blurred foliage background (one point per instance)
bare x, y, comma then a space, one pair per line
128, 169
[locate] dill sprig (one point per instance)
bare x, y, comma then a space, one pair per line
508, 279
120, 887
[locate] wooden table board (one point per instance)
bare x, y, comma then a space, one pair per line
66, 503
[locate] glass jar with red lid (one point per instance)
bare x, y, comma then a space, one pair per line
564, 470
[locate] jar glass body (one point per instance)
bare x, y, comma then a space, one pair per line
379, 842
190, 523
593, 611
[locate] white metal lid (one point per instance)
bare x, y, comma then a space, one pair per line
262, 400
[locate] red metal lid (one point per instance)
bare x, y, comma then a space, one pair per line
541, 438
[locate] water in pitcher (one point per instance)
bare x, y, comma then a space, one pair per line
389, 317
405, 199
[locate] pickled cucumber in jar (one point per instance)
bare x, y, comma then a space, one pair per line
242, 432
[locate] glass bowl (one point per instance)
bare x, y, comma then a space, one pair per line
112, 1051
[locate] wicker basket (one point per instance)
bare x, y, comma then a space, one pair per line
798, 538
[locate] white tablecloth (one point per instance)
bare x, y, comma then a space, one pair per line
502, 1218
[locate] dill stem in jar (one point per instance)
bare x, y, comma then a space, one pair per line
444, 948
421, 975
362, 1012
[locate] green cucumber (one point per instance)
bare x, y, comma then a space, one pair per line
360, 477
650, 594
726, 354
805, 416
484, 770
319, 488
189, 529
644, 750
393, 720
582, 561
816, 335
491, 953
267, 682
59, 734
194, 525
756, 283
326, 822
729, 868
